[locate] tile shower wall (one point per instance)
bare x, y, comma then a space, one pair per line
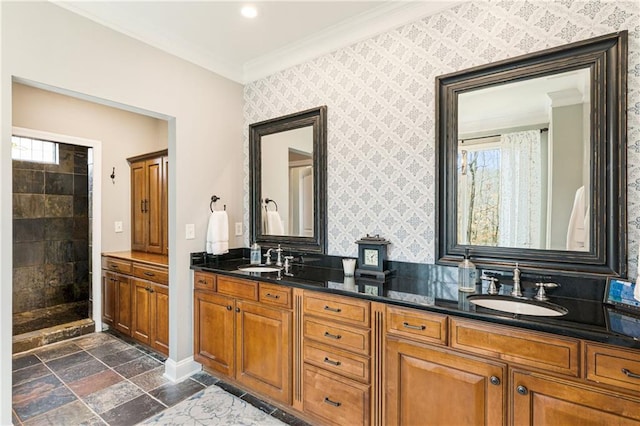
51, 231
381, 110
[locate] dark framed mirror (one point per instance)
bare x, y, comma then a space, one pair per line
531, 160
288, 179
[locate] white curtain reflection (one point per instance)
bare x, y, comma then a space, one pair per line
520, 189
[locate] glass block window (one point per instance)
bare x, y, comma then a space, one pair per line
35, 150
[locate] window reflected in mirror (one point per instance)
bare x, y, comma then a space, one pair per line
523, 163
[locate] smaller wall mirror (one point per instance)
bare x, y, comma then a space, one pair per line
288, 171
532, 160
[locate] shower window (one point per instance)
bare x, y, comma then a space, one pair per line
34, 150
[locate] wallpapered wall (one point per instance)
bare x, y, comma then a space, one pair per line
381, 110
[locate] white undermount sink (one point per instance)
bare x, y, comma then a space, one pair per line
518, 306
259, 268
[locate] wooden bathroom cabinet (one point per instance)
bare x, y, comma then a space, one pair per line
358, 362
149, 178
135, 297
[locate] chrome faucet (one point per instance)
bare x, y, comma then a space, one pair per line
517, 290
268, 257
279, 258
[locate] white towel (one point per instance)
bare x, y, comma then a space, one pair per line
274, 223
218, 233
577, 232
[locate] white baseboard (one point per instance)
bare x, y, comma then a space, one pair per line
181, 370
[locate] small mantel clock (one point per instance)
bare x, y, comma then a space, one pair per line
372, 253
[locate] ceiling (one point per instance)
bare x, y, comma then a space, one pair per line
214, 35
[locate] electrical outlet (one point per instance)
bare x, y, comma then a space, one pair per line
238, 228
190, 231
117, 226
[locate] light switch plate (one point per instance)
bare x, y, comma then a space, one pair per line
190, 231
238, 228
117, 226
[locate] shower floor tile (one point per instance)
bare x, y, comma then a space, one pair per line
103, 379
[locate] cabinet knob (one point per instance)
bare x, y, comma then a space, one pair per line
495, 380
229, 307
237, 309
522, 390
330, 402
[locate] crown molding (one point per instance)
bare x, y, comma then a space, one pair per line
386, 17
169, 44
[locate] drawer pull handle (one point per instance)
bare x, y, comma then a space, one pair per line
329, 308
332, 336
413, 327
150, 274
202, 282
330, 402
522, 390
494, 380
329, 361
114, 266
630, 374
273, 296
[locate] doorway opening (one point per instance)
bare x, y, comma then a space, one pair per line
52, 239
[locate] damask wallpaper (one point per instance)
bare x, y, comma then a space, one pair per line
381, 110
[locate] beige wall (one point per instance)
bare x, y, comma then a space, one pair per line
122, 134
43, 43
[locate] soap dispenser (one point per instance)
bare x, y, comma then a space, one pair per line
256, 254
467, 274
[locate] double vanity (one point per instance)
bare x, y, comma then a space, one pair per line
412, 349
338, 350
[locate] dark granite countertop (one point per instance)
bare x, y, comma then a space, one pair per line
586, 319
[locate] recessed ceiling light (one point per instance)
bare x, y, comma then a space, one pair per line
249, 12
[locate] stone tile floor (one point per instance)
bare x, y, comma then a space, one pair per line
101, 379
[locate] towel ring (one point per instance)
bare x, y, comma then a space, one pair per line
214, 199
269, 200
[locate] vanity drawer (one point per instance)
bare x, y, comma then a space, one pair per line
335, 360
237, 288
204, 281
423, 326
532, 349
335, 399
117, 265
613, 366
275, 295
339, 308
152, 273
340, 336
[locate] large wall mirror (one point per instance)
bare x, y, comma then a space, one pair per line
288, 175
532, 160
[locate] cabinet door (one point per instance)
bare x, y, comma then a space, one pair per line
109, 287
263, 355
141, 327
138, 215
165, 205
160, 318
214, 339
428, 385
539, 400
154, 205
123, 304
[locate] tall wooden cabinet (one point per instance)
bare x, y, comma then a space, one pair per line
149, 178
